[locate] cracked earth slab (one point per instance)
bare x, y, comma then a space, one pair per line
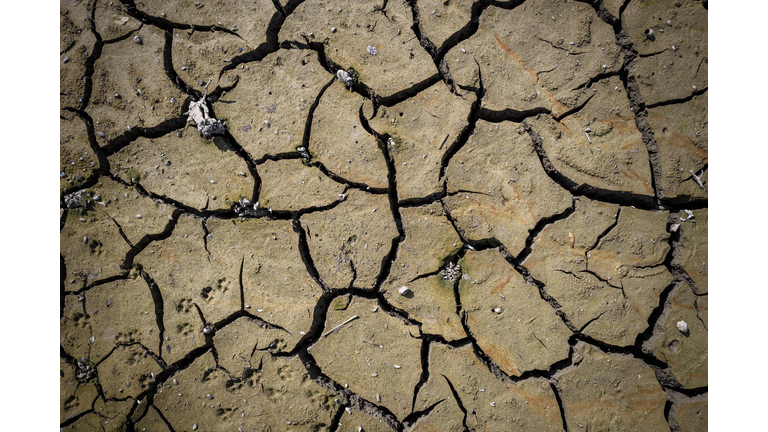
416, 215
599, 380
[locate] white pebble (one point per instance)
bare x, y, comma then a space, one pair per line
682, 326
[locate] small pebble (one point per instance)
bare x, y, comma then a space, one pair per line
138, 216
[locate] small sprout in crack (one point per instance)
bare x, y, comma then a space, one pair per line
452, 272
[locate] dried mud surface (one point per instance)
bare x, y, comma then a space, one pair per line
498, 222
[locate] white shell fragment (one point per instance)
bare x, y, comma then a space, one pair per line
345, 77
198, 113
137, 39
682, 326
404, 290
371, 50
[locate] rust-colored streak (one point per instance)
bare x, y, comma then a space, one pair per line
502, 360
557, 108
499, 286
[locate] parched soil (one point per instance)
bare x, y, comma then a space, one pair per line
409, 215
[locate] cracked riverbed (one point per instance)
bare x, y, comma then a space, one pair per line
414, 215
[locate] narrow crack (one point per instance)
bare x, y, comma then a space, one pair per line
149, 238
430, 48
458, 402
424, 377
560, 398
157, 299
469, 129
534, 232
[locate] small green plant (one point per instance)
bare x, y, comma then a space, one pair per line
392, 143
134, 175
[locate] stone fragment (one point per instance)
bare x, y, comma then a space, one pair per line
346, 359
606, 392
527, 335
498, 188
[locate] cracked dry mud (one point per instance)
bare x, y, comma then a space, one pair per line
534, 172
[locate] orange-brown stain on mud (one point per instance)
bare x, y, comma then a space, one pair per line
676, 139
498, 355
632, 175
499, 286
623, 125
632, 399
497, 212
682, 306
557, 108
540, 404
